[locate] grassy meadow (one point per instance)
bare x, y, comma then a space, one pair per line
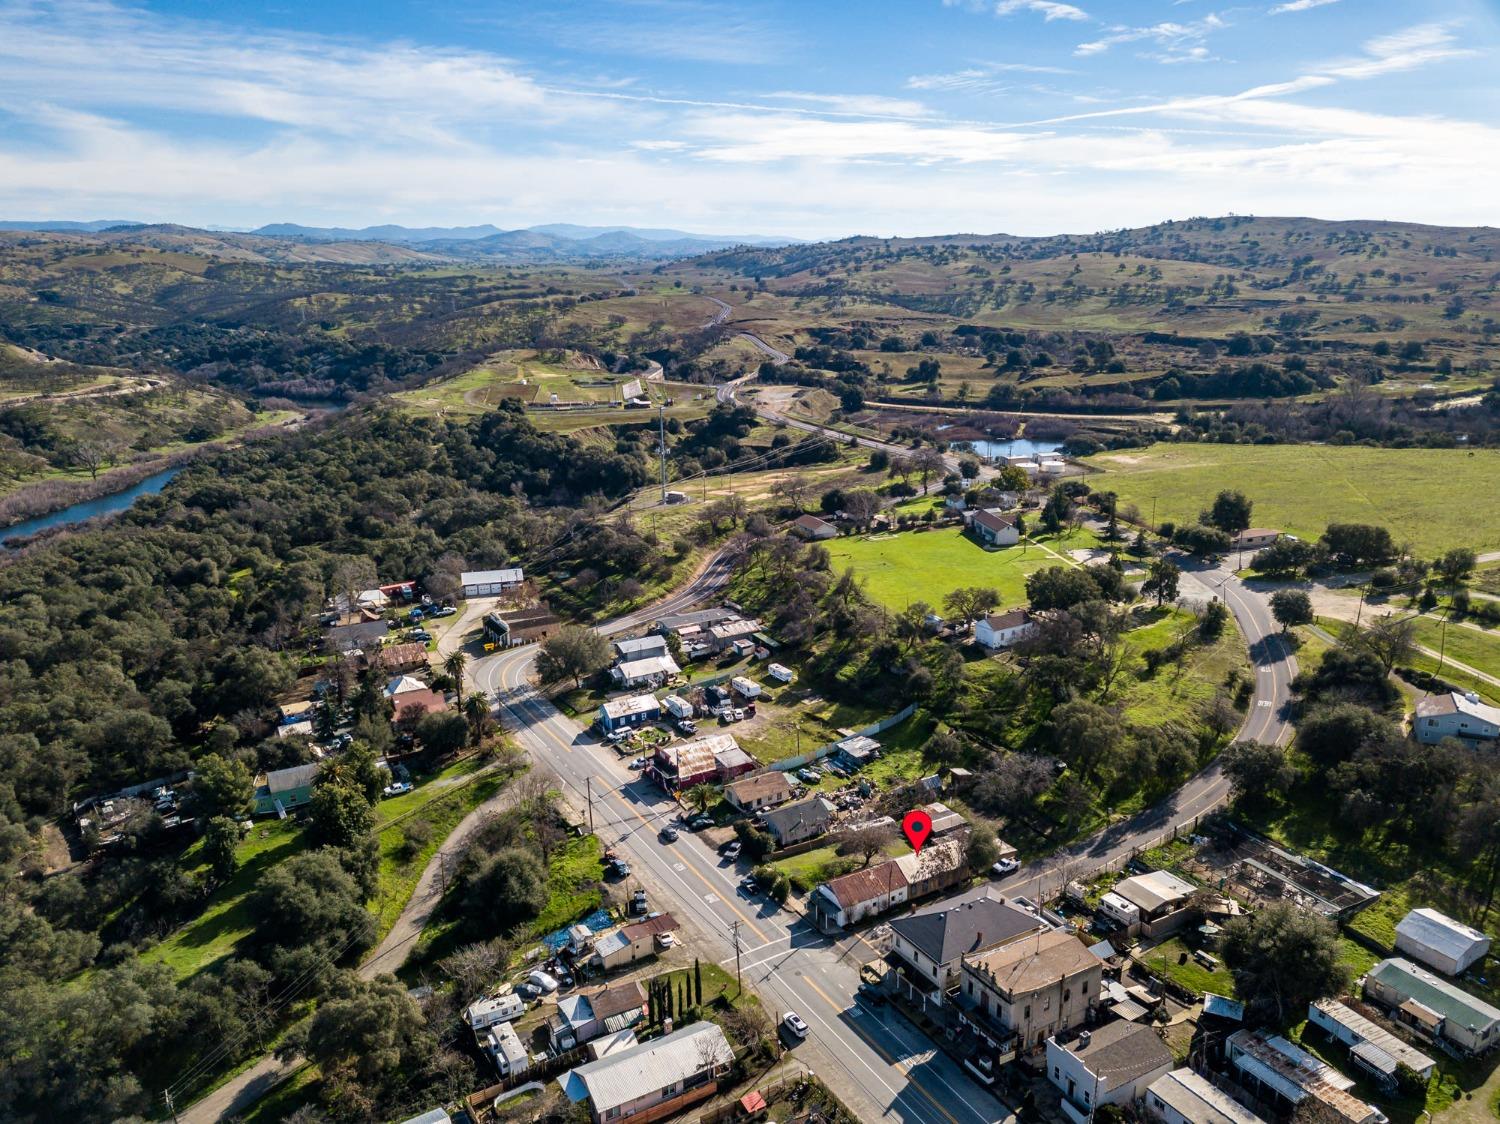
1426, 497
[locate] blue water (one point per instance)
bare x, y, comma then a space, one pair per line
1020, 447
104, 505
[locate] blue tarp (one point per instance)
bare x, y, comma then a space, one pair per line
597, 922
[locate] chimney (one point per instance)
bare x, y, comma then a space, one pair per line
1084, 1038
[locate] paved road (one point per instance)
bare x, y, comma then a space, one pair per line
775, 355
877, 1061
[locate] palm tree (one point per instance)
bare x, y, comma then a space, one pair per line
477, 711
700, 796
454, 665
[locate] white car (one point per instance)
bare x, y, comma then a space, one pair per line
638, 763
665, 940
793, 1022
542, 982
1004, 867
397, 788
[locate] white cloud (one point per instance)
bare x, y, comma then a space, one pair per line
858, 105
1300, 6
1048, 9
1404, 50
988, 78
1172, 37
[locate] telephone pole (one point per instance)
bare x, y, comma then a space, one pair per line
738, 983
589, 782
661, 422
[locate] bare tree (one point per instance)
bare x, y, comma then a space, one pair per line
866, 842
1390, 639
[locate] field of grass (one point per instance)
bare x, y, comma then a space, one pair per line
898, 569
1478, 649
1425, 496
1181, 687
811, 868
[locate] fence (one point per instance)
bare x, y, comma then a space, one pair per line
788, 764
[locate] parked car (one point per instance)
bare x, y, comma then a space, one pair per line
420, 636
666, 940
732, 851
1004, 867
638, 763
793, 1022
699, 822
529, 992
396, 788
444, 611
542, 981
811, 776
750, 885
415, 615
668, 834
686, 726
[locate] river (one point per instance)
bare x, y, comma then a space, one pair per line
88, 509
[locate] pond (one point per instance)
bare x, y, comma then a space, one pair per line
88, 509
1017, 447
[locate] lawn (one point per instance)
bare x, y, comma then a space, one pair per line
1425, 496
898, 569
814, 867
1478, 649
1164, 961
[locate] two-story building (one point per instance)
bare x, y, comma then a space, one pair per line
1022, 993
928, 946
1113, 1064
1458, 714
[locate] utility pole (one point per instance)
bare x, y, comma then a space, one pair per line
172, 1108
661, 421
738, 983
589, 782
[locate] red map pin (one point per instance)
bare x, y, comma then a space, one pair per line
917, 826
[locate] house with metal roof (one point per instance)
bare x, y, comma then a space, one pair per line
1440, 942
1281, 1071
282, 790
1184, 1097
647, 671
1432, 1006
653, 1079
628, 711
1371, 1046
1458, 714
1155, 894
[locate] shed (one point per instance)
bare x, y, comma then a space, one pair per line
1440, 942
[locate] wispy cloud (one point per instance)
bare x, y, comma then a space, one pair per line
867, 105
1171, 38
1409, 49
1049, 9
1300, 6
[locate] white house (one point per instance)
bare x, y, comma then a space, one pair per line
1002, 630
813, 529
1433, 1006
1457, 714
654, 1079
852, 897
1112, 1064
1440, 942
1183, 1097
490, 583
507, 1050
1371, 1046
648, 671
994, 528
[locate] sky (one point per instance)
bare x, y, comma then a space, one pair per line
806, 118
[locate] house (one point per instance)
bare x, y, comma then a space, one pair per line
930, 944
1440, 942
632, 942
581, 1018
1029, 990
717, 757
610, 1044
1183, 1097
1113, 1064
857, 752
1004, 630
630, 711
641, 648
745, 687
759, 790
994, 528
945, 820
654, 1079
1371, 1047
490, 583
507, 1050
399, 658
520, 626
295, 712
362, 636
850, 898
413, 705
721, 636
402, 684
1281, 1072
684, 625
1254, 539
1458, 714
795, 823
493, 1010
939, 865
649, 671
281, 790
1155, 895
302, 728
1433, 1006
813, 529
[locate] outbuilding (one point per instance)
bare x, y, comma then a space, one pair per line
1440, 942
491, 583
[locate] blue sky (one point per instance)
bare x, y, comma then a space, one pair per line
813, 119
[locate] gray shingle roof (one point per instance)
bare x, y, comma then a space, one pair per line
944, 933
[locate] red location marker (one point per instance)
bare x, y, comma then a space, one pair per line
916, 825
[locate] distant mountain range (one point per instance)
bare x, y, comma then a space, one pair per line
548, 242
